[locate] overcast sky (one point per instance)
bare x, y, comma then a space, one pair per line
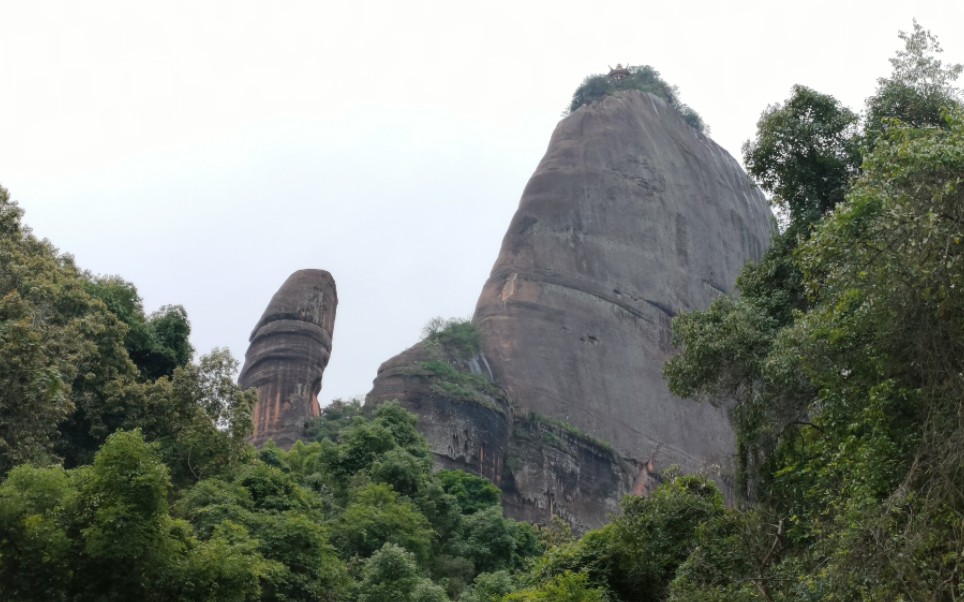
204, 150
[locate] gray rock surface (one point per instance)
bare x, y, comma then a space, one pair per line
289, 349
631, 217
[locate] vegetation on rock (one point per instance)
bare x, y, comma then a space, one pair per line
126, 475
642, 78
844, 353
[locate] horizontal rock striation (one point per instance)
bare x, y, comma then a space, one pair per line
287, 355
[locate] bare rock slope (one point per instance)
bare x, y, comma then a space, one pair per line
288, 352
631, 217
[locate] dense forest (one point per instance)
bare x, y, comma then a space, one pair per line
126, 475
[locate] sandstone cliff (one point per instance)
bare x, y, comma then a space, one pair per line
631, 217
289, 349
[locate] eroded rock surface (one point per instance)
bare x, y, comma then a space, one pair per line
631, 217
288, 351
545, 468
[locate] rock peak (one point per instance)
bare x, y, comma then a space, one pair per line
287, 354
631, 217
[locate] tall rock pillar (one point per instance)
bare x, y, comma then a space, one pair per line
288, 352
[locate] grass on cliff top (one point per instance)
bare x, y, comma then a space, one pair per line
457, 337
643, 78
451, 382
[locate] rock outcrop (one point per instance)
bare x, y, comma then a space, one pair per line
631, 217
288, 351
544, 467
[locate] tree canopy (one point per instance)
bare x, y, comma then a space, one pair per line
844, 353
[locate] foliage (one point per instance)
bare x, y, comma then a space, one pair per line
642, 78
471, 492
158, 343
567, 587
61, 351
35, 548
378, 516
458, 338
494, 543
336, 417
551, 432
919, 89
805, 153
489, 587
127, 475
391, 575
844, 356
635, 557
451, 382
104, 532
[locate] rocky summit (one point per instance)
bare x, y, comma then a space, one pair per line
287, 355
631, 217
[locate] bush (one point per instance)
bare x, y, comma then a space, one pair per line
643, 78
456, 336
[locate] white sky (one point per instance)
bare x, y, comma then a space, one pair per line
205, 150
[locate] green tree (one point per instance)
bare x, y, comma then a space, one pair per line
61, 351
307, 566
805, 153
886, 347
494, 542
158, 343
130, 542
376, 516
919, 89
844, 359
489, 587
337, 417
391, 575
473, 493
36, 551
636, 556
565, 587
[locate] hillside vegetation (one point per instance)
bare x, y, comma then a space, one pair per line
126, 475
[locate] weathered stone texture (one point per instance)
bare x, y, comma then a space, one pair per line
289, 349
631, 217
463, 433
543, 469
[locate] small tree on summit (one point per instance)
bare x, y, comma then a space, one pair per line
643, 78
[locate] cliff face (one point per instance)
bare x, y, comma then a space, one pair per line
631, 217
289, 349
545, 468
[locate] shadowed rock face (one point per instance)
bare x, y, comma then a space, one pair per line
631, 217
289, 349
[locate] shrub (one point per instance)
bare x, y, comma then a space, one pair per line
643, 78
